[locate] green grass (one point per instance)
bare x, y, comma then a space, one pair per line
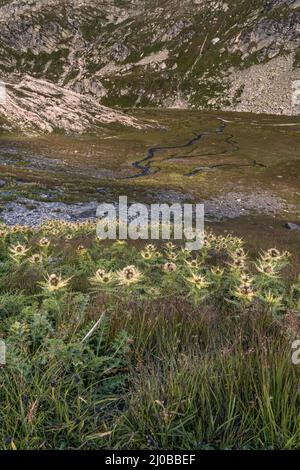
193, 357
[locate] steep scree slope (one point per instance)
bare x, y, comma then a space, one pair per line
158, 52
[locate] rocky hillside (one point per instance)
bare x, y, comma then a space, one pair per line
229, 54
35, 105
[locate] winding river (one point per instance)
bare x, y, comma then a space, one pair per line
146, 167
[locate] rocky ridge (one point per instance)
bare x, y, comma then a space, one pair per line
187, 53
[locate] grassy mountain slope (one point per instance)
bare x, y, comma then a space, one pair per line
154, 53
